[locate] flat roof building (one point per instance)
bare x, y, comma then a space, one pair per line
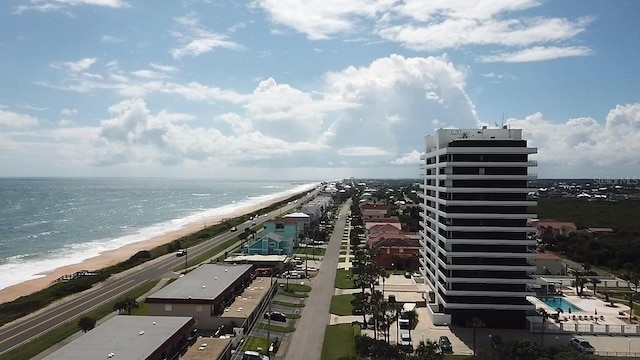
476, 253
203, 293
129, 337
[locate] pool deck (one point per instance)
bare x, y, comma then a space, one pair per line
592, 309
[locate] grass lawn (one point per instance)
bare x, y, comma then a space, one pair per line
292, 316
299, 288
341, 279
341, 304
343, 252
278, 328
293, 294
342, 259
252, 343
284, 303
310, 251
339, 340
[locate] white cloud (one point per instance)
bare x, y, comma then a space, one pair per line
196, 39
321, 19
238, 124
584, 146
430, 25
111, 39
56, 5
68, 112
13, 120
164, 68
538, 53
362, 151
237, 27
77, 66
412, 158
457, 32
149, 74
134, 135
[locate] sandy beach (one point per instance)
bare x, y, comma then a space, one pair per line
113, 257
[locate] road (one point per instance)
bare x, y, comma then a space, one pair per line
306, 342
31, 326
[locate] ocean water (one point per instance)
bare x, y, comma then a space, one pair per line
46, 223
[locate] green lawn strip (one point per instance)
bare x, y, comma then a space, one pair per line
143, 309
252, 343
278, 328
292, 316
208, 254
457, 357
310, 251
341, 304
342, 282
58, 334
339, 341
284, 303
293, 294
342, 259
299, 288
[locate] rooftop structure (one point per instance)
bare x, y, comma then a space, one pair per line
207, 348
246, 303
128, 337
206, 283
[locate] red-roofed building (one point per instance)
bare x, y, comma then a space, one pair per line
400, 253
380, 231
554, 226
550, 264
373, 211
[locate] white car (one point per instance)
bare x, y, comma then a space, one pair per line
254, 355
581, 345
405, 341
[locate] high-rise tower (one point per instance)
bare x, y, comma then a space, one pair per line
477, 255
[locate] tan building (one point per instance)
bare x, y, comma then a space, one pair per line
549, 264
208, 293
553, 226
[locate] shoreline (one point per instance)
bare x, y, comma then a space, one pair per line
112, 257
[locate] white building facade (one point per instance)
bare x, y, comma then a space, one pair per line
475, 255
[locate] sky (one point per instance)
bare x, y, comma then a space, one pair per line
312, 89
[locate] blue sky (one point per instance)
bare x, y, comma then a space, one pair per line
311, 89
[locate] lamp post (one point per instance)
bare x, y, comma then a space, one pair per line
186, 256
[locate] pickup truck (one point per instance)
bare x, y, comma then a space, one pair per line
581, 345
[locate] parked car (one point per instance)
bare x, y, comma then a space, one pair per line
405, 342
581, 345
357, 310
181, 252
275, 316
445, 344
234, 229
496, 341
407, 274
254, 355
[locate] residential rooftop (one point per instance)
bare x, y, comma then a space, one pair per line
246, 302
206, 348
206, 282
127, 337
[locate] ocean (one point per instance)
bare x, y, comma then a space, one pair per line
46, 223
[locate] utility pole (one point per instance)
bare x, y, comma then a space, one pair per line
186, 255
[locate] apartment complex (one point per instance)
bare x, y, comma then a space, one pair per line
476, 255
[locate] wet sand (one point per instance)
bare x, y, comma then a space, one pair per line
116, 256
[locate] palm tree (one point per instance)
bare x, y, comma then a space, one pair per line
475, 323
595, 281
428, 351
86, 323
635, 280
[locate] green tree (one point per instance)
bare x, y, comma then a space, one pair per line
86, 323
594, 281
427, 351
475, 323
523, 349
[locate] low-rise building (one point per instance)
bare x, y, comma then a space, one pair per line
373, 211
401, 253
130, 337
554, 227
270, 244
550, 264
285, 227
203, 293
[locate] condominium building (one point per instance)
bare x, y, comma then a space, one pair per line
476, 255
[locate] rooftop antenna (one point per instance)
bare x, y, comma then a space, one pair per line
502, 119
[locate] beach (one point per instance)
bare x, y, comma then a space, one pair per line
121, 254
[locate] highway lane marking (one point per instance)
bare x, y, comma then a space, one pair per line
63, 313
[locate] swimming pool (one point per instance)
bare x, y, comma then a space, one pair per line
561, 303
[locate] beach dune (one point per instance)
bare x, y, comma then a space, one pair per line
116, 256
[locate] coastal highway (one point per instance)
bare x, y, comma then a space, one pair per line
33, 325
